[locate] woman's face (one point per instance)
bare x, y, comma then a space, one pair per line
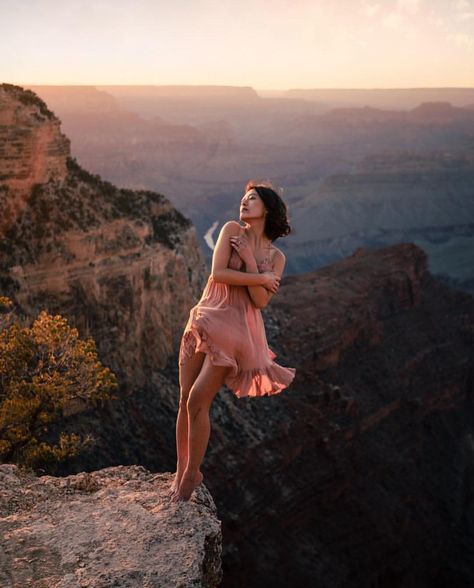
251, 205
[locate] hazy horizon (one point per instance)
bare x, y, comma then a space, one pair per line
266, 45
257, 89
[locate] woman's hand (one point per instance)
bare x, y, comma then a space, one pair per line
272, 281
241, 245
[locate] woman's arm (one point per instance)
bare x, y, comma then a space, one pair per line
260, 295
220, 259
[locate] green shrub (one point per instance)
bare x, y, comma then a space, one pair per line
44, 369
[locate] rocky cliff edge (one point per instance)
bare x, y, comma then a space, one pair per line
111, 527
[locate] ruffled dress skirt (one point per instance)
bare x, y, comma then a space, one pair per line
227, 326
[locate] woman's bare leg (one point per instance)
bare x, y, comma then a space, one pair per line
203, 391
188, 372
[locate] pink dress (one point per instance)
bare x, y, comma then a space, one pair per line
226, 325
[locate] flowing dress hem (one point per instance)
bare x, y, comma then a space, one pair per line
262, 381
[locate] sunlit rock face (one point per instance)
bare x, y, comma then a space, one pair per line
32, 149
124, 266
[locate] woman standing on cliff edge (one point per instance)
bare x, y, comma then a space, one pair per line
224, 340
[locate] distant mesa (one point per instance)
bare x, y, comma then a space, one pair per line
438, 111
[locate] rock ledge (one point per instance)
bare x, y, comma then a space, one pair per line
111, 527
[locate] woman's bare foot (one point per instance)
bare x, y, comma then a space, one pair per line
187, 485
176, 482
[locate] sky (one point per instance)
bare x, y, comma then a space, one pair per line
265, 44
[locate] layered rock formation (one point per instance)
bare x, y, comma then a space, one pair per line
122, 265
392, 197
113, 527
32, 149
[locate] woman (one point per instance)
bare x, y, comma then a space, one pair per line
224, 339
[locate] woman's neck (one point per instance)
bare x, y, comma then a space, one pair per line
257, 238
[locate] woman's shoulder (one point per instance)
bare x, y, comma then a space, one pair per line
232, 227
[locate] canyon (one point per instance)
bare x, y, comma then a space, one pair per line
369, 168
359, 474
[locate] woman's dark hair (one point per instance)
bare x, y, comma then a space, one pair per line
276, 220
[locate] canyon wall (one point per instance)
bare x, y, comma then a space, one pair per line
123, 266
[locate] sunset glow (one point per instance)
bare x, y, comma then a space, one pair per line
266, 44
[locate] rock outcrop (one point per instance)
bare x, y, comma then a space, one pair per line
351, 300
112, 527
32, 149
123, 266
